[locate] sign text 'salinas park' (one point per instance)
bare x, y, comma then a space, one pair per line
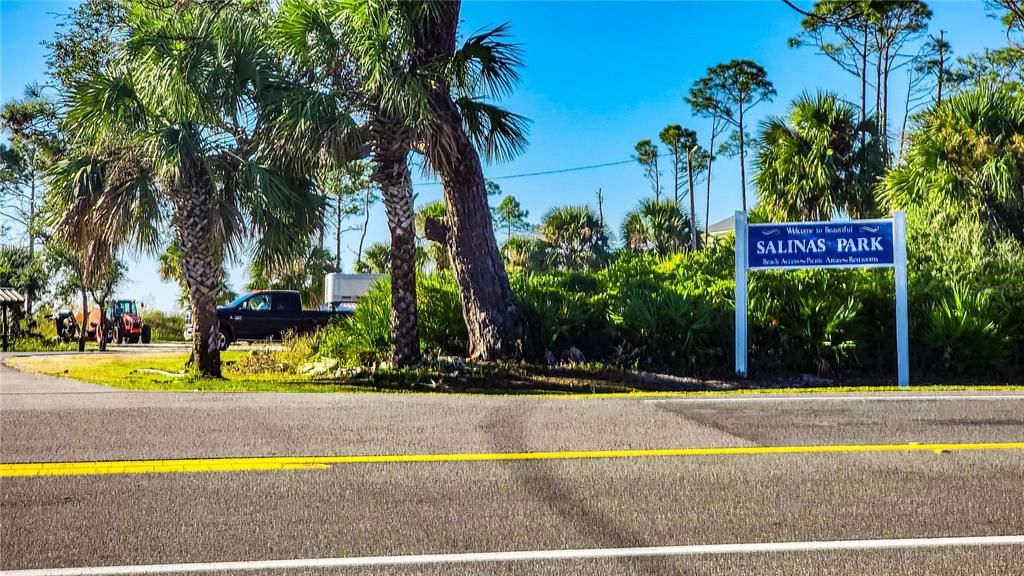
794, 245
865, 243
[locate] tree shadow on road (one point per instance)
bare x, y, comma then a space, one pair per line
508, 432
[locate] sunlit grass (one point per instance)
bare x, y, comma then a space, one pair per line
166, 372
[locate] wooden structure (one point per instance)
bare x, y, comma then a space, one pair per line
9, 298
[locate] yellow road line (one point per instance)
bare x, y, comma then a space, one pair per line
312, 462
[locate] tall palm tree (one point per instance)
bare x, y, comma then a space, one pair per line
353, 59
173, 132
658, 226
822, 162
395, 64
575, 237
460, 85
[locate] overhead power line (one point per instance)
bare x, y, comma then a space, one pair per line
547, 172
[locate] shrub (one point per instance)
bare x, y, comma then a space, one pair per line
364, 338
805, 320
442, 329
662, 324
166, 327
961, 337
563, 310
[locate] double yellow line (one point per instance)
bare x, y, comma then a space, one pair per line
315, 462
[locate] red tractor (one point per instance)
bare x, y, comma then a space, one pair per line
126, 324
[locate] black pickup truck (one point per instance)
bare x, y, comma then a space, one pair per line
266, 315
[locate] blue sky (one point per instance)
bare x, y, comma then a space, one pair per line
599, 76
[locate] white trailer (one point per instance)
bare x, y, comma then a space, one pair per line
342, 290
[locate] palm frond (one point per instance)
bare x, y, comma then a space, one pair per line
486, 64
106, 107
500, 134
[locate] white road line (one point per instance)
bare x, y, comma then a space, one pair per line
817, 398
533, 555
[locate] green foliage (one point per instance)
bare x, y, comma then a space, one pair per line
962, 337
575, 237
965, 288
661, 227
376, 259
969, 157
804, 320
563, 310
442, 329
18, 270
525, 253
364, 338
166, 327
819, 162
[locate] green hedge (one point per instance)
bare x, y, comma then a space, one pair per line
676, 314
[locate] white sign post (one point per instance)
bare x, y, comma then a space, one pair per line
795, 245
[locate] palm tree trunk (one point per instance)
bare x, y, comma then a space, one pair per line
337, 236
202, 267
391, 172
693, 202
489, 307
366, 223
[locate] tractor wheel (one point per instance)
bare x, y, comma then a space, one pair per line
147, 334
115, 336
133, 339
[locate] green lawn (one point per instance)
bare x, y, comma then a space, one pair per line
130, 371
133, 371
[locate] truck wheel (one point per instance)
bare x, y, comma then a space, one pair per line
225, 340
147, 334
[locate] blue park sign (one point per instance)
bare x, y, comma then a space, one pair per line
859, 244
794, 245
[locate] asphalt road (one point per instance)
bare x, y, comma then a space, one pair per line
387, 510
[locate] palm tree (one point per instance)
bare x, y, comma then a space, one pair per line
575, 237
354, 59
967, 157
174, 132
397, 65
658, 226
459, 84
822, 162
525, 253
